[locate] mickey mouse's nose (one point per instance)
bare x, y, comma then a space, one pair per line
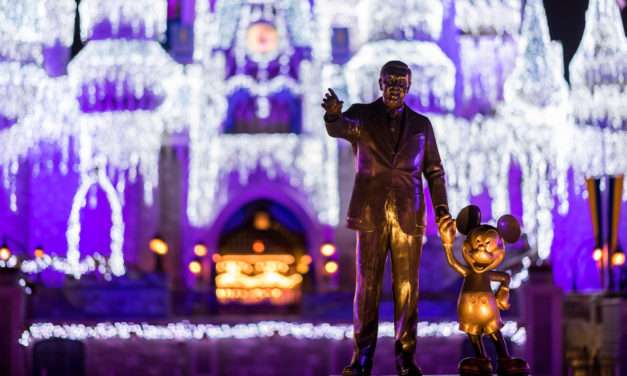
483, 256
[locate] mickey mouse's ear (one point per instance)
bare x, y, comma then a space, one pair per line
468, 218
509, 228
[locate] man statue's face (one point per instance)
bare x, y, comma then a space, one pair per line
394, 88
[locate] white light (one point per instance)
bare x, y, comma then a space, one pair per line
480, 17
598, 74
27, 26
308, 162
232, 18
116, 260
485, 63
133, 65
302, 159
598, 69
535, 114
186, 331
129, 140
149, 14
404, 19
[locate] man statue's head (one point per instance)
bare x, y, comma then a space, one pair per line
394, 81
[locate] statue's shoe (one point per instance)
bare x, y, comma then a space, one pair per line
475, 367
359, 367
405, 366
512, 367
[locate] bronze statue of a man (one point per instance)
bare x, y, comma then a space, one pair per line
394, 146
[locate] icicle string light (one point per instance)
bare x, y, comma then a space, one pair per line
185, 331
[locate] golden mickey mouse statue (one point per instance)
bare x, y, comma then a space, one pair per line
478, 307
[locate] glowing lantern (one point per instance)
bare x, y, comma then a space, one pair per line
39, 252
258, 246
597, 254
195, 267
200, 250
302, 268
158, 245
330, 267
5, 252
618, 258
262, 221
327, 249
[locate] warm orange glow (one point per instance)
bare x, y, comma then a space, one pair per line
5, 253
258, 246
252, 259
252, 278
302, 268
200, 250
305, 259
158, 246
234, 275
330, 267
618, 258
597, 254
39, 252
256, 295
327, 249
195, 267
262, 221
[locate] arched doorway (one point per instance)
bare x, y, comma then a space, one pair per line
263, 256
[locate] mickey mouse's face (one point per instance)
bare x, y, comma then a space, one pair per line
483, 250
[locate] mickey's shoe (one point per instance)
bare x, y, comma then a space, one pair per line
512, 367
475, 367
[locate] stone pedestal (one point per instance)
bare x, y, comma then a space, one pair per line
11, 324
541, 309
611, 333
593, 330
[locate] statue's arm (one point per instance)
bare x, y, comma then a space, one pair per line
501, 277
452, 261
344, 125
434, 173
502, 294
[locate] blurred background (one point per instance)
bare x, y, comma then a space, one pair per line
172, 205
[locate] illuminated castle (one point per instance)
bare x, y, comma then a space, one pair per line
224, 148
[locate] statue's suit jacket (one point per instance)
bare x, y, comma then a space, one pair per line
381, 170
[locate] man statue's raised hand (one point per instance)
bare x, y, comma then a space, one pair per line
332, 104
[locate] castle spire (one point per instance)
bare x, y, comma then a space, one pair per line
537, 78
598, 69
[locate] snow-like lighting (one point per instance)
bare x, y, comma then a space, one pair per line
147, 15
404, 19
186, 331
27, 26
598, 69
480, 17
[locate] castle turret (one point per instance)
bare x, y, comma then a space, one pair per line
598, 76
598, 70
535, 111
